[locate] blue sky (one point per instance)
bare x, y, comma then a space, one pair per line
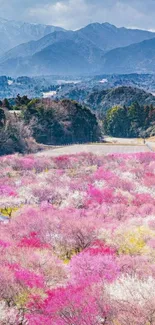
73, 14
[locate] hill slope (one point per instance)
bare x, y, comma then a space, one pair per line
61, 122
63, 57
105, 99
32, 47
138, 58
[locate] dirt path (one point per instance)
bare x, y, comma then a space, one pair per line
98, 149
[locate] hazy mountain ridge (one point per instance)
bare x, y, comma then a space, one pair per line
30, 48
72, 52
64, 57
108, 37
13, 33
138, 58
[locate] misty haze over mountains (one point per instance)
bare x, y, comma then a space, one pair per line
35, 49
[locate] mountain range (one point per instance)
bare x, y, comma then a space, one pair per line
33, 49
13, 33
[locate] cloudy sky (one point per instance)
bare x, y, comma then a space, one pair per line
73, 14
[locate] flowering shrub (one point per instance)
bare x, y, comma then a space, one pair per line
79, 246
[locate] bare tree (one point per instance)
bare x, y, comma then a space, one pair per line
15, 136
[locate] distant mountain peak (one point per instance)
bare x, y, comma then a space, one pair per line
109, 25
100, 25
92, 25
14, 33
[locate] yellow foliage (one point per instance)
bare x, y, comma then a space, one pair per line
66, 261
66, 257
134, 241
22, 299
8, 211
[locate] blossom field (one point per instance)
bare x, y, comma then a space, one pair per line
79, 247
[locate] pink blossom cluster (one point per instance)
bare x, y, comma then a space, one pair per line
79, 246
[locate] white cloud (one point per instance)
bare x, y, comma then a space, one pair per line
68, 14
73, 14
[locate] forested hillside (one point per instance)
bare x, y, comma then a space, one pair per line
133, 121
47, 122
102, 100
60, 122
119, 112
